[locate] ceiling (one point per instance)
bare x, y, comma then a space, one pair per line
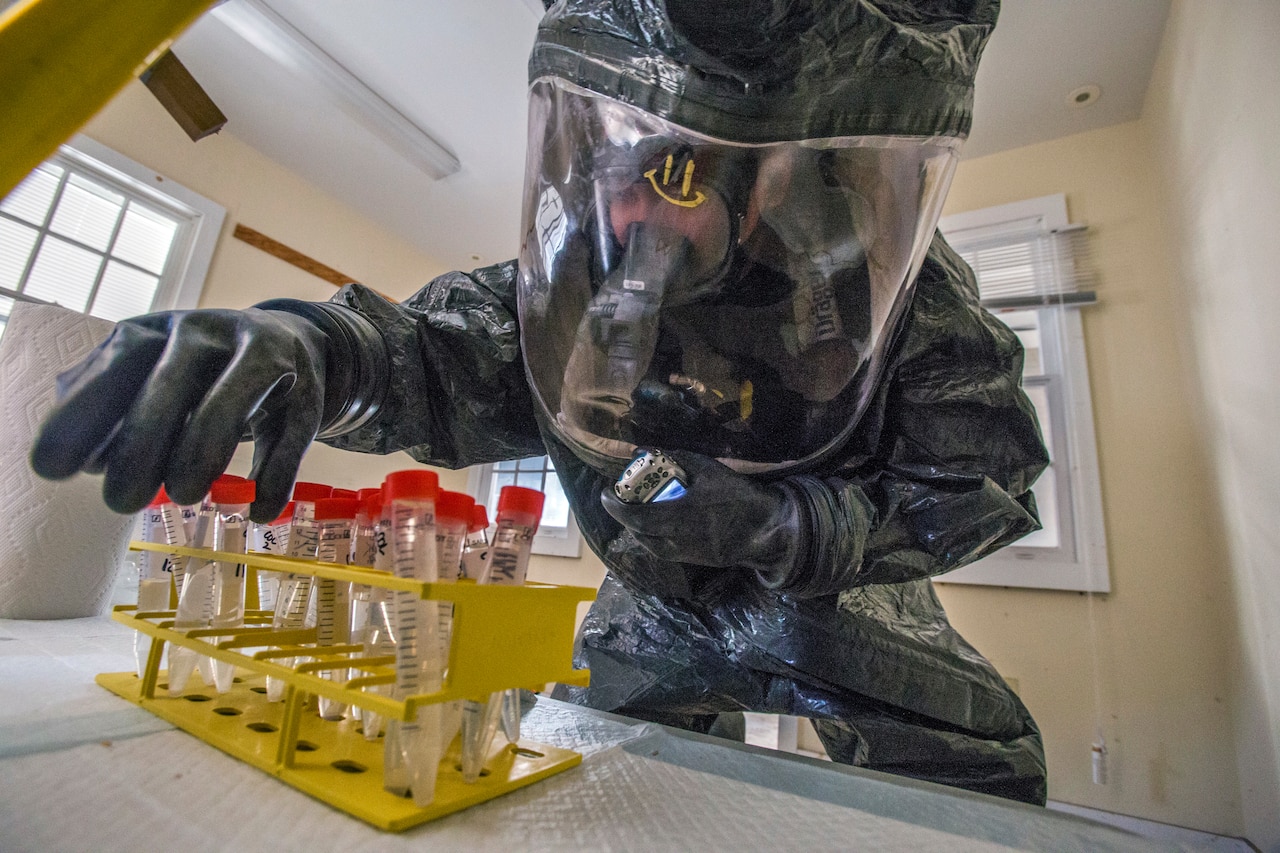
456, 69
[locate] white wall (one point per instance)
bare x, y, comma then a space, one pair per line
1213, 121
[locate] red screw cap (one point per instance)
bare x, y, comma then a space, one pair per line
414, 484
370, 502
311, 491
455, 506
286, 514
520, 499
233, 490
331, 509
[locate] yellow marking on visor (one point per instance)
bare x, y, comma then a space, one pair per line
686, 184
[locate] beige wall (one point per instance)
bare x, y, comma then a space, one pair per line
1180, 664
1212, 119
1147, 664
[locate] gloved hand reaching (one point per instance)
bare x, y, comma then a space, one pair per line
167, 397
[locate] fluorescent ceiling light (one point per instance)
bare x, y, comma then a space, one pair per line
264, 28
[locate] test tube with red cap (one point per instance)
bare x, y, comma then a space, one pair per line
364, 545
413, 747
518, 515
196, 602
294, 598
453, 517
379, 637
271, 538
335, 518
230, 533
161, 523
475, 550
364, 550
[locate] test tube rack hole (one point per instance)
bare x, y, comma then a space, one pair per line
332, 760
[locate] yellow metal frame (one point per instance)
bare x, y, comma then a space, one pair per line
62, 60
502, 637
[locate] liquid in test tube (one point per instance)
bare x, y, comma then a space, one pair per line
475, 550
294, 597
271, 538
379, 639
196, 602
161, 523
335, 518
230, 533
411, 496
364, 548
518, 515
453, 517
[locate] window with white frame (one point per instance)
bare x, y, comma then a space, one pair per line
558, 533
1030, 262
93, 231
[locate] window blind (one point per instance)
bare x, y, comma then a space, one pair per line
1023, 265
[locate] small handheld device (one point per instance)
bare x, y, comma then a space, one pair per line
652, 476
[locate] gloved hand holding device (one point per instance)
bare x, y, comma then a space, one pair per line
168, 396
790, 532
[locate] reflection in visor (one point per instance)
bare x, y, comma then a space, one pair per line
731, 300
670, 192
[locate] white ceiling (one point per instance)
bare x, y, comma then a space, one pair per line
456, 68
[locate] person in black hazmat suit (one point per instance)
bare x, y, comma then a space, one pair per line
729, 255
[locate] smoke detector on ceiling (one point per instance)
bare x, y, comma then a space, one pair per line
1084, 96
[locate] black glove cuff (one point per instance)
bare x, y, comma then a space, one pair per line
357, 367
832, 528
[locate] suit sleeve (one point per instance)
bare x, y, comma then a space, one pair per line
944, 458
457, 393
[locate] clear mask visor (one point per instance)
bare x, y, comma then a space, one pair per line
682, 292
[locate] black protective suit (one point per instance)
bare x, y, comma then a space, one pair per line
937, 474
805, 588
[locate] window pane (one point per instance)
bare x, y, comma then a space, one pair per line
145, 238
6, 305
1026, 324
1046, 488
533, 473
1046, 492
63, 273
16, 241
124, 292
1038, 393
555, 513
87, 212
30, 199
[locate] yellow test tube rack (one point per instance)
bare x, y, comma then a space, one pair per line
502, 637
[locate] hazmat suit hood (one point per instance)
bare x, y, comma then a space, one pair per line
726, 206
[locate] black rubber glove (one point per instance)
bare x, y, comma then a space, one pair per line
168, 396
724, 520
798, 535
